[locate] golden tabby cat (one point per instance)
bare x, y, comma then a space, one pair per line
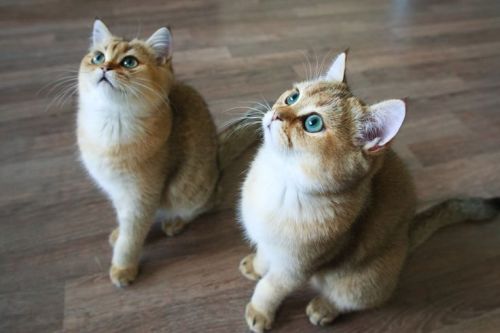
327, 201
147, 140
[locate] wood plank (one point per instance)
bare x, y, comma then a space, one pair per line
54, 223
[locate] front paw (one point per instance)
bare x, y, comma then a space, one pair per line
257, 321
122, 277
247, 268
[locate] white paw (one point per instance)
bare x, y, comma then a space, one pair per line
257, 321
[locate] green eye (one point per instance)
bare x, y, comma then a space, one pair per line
129, 62
292, 98
313, 123
98, 58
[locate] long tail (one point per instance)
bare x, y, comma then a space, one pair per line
234, 141
449, 212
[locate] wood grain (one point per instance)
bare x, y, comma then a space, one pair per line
54, 256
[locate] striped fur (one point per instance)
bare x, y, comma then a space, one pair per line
452, 211
336, 207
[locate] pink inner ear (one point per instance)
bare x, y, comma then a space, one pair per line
371, 132
387, 118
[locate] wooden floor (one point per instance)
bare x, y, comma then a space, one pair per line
54, 256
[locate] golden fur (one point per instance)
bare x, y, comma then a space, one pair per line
148, 140
343, 218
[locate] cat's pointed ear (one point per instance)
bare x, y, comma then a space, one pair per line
336, 72
382, 124
100, 33
161, 43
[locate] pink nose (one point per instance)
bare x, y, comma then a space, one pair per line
276, 116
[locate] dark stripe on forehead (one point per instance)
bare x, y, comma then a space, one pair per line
331, 95
324, 100
113, 47
333, 89
341, 90
122, 47
119, 48
318, 89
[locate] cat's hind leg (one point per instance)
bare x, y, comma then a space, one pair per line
173, 227
174, 222
321, 311
357, 287
254, 266
188, 196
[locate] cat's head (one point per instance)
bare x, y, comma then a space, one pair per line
127, 71
332, 134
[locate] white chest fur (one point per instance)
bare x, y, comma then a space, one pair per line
108, 121
116, 183
277, 199
103, 124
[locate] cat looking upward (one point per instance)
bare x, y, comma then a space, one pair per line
327, 201
147, 140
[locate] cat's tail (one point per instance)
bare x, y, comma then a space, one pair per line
450, 212
234, 141
240, 134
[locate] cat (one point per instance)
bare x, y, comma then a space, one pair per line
147, 140
327, 201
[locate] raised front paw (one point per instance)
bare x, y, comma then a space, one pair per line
172, 228
122, 277
257, 321
321, 312
247, 268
